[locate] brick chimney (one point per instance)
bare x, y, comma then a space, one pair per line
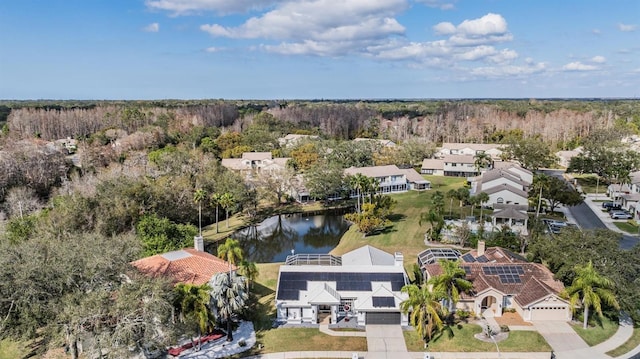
481, 247
198, 243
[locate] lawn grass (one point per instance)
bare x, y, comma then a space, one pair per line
463, 340
628, 346
10, 349
597, 334
589, 182
628, 226
405, 235
307, 339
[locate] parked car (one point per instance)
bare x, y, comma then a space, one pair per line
609, 206
620, 215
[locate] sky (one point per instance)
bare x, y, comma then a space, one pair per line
319, 49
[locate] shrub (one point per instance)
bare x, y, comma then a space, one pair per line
504, 328
242, 343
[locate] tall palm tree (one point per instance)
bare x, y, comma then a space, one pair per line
590, 289
481, 160
227, 202
230, 296
356, 182
249, 270
426, 310
452, 282
192, 302
452, 194
482, 198
437, 201
231, 252
371, 185
198, 196
215, 201
462, 195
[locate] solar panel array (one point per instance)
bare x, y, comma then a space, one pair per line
468, 258
508, 274
467, 269
291, 283
482, 259
383, 302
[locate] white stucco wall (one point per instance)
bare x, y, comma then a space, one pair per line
508, 198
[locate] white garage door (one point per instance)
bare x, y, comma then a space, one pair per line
549, 313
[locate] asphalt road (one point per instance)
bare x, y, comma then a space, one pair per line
588, 220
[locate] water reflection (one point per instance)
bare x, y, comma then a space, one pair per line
273, 239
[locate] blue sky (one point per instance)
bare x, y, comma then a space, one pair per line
311, 49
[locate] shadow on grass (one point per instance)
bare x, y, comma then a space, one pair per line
397, 217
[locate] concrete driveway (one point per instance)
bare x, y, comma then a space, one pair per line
565, 342
386, 342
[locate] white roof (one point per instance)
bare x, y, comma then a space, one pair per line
366, 256
365, 303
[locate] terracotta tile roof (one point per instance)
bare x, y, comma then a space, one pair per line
536, 282
183, 266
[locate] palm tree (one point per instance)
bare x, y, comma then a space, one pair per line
249, 270
215, 201
371, 185
462, 195
436, 222
198, 197
227, 202
231, 252
192, 302
358, 182
481, 160
452, 281
590, 289
437, 201
452, 194
426, 310
230, 297
482, 198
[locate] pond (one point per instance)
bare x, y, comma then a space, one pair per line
273, 239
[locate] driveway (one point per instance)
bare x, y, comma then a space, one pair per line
566, 343
385, 342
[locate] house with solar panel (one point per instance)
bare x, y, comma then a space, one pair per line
362, 285
502, 280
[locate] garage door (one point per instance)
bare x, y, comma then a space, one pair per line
549, 313
382, 318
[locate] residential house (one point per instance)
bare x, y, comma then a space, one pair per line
564, 157
381, 142
513, 216
514, 168
292, 139
188, 266
254, 161
616, 190
432, 166
392, 179
471, 149
362, 285
504, 280
505, 185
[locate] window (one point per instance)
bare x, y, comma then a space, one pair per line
500, 200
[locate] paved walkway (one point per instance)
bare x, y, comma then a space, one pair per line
324, 328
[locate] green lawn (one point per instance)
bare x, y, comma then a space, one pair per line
464, 341
589, 182
597, 334
10, 349
629, 226
629, 345
406, 234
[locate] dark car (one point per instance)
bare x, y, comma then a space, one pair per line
609, 206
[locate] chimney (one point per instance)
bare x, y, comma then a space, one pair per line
481, 247
198, 243
398, 259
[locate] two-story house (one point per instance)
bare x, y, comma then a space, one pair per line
254, 161
391, 179
470, 149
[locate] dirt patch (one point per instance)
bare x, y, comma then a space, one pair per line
511, 319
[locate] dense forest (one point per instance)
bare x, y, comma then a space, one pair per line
80, 176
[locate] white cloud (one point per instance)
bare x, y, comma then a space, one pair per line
440, 4
508, 71
213, 49
598, 59
444, 28
489, 29
578, 66
185, 7
626, 27
321, 27
153, 27
476, 53
596, 31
